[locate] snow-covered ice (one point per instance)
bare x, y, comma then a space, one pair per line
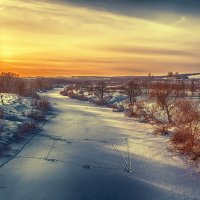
91, 153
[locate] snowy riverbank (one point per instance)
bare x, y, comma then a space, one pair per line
18, 117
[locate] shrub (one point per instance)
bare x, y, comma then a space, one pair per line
25, 128
101, 102
37, 115
133, 90
117, 108
187, 143
64, 92
44, 104
187, 113
137, 110
186, 138
41, 103
162, 129
35, 96
130, 111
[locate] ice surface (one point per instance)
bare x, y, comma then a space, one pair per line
91, 153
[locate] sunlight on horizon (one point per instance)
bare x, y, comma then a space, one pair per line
43, 38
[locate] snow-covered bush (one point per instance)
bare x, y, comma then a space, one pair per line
41, 103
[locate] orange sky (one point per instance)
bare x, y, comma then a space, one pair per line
46, 38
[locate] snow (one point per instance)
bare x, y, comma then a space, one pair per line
117, 98
12, 103
8, 99
194, 76
89, 152
15, 110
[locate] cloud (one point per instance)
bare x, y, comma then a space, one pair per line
149, 51
141, 8
67, 37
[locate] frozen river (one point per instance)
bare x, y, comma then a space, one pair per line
91, 153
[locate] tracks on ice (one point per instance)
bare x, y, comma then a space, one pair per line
40, 127
85, 166
126, 161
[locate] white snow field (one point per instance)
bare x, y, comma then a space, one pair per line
91, 153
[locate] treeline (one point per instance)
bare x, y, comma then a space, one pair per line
12, 83
133, 89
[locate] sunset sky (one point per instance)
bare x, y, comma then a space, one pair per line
99, 37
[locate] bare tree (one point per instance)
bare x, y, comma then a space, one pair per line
164, 96
133, 90
100, 89
170, 74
